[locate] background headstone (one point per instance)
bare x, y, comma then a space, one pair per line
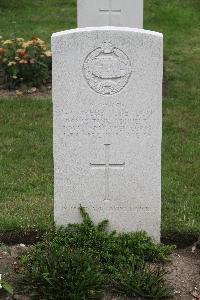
107, 108
123, 13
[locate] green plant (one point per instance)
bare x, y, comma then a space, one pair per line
139, 279
63, 273
26, 62
5, 286
79, 261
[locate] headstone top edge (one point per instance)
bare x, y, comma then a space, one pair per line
107, 28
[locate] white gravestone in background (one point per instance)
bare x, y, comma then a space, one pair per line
107, 95
126, 13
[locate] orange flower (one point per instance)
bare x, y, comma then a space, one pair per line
34, 38
26, 44
21, 51
2, 50
22, 61
26, 55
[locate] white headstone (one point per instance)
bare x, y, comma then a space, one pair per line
125, 13
107, 98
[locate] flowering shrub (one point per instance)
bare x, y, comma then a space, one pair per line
26, 62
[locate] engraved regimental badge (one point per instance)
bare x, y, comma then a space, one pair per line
107, 69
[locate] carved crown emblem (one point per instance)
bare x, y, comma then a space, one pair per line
107, 69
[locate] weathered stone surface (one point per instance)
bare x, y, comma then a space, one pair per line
127, 13
107, 107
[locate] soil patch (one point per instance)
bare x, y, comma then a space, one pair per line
184, 274
27, 237
180, 239
28, 93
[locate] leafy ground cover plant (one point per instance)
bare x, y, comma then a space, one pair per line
27, 62
5, 286
80, 261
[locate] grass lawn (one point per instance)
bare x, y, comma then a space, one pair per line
26, 164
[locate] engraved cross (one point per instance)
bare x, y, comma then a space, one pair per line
107, 166
110, 12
